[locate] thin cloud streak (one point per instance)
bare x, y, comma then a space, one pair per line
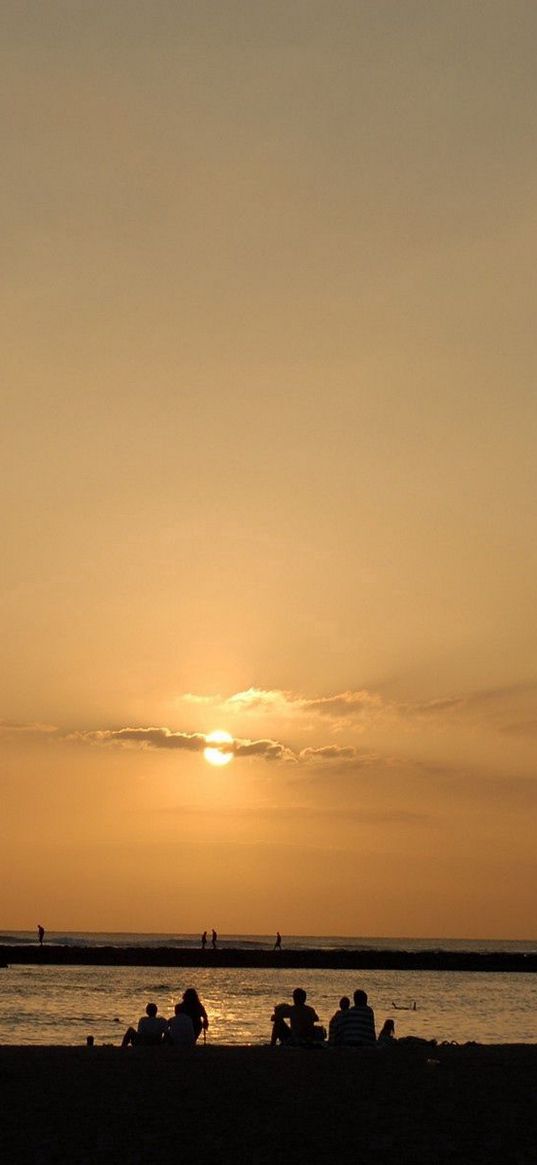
346, 705
35, 728
283, 814
361, 709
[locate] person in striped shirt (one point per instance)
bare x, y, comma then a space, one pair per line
356, 1026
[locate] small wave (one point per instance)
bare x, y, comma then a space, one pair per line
246, 944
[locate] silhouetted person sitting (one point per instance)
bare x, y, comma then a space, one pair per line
151, 1029
280, 1029
334, 1027
193, 1007
181, 1029
301, 1029
358, 1023
387, 1033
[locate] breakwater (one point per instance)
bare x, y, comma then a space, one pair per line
312, 959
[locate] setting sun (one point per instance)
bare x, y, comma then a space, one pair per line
216, 756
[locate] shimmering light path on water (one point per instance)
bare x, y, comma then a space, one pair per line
62, 1005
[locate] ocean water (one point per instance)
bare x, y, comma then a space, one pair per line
265, 941
63, 1005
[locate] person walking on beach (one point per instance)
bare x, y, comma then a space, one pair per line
357, 1025
214, 937
40, 934
204, 940
278, 942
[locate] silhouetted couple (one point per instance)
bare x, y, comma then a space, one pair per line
353, 1027
182, 1030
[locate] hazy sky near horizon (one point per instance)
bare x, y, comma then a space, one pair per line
268, 465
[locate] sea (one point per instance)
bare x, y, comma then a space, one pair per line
64, 1005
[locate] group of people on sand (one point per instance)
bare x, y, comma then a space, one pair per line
294, 1024
351, 1026
181, 1030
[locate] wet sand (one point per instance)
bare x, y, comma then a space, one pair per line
425, 1106
312, 959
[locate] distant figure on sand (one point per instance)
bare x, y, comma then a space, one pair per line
301, 1029
358, 1023
40, 934
278, 941
181, 1029
151, 1029
204, 940
334, 1027
214, 937
387, 1032
193, 1007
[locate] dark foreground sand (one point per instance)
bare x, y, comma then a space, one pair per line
256, 1105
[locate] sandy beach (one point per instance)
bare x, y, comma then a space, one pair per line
427, 1106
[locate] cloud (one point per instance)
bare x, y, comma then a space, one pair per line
7, 727
268, 749
328, 752
487, 703
155, 739
434, 707
360, 707
358, 704
149, 738
355, 706
248, 700
344, 705
255, 699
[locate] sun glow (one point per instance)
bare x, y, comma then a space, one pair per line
217, 756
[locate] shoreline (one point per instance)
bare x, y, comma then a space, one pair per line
472, 1103
307, 959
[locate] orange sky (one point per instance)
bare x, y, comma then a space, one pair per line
268, 466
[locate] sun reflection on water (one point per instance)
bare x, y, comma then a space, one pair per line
62, 1005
